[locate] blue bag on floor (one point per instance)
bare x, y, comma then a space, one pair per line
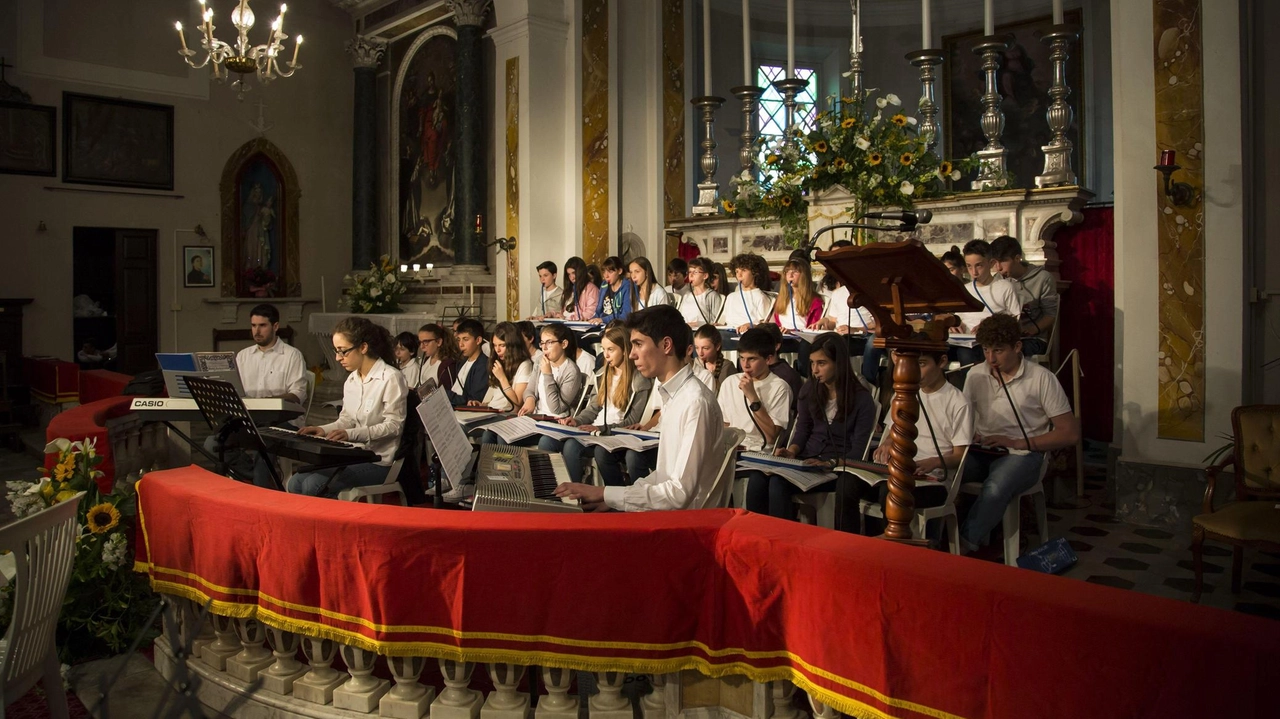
1052, 557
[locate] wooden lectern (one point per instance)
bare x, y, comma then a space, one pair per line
892, 280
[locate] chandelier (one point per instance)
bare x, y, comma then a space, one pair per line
243, 59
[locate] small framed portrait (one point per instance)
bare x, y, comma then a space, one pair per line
28, 139
197, 266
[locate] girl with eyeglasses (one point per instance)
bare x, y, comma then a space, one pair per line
439, 353
702, 305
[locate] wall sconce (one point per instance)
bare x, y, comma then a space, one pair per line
504, 244
419, 273
1180, 193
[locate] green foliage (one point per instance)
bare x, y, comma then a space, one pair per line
378, 291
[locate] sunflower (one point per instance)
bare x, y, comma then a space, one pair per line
907, 158
770, 159
944, 168
728, 206
875, 158
848, 122
102, 517
839, 163
786, 201
900, 120
820, 146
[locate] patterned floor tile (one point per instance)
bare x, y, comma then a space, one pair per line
1271, 570
1269, 611
1271, 590
1101, 519
1110, 581
1139, 548
1080, 546
1126, 563
1089, 531
1209, 568
1152, 533
1213, 550
1184, 584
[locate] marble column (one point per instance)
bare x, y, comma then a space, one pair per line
366, 53
469, 197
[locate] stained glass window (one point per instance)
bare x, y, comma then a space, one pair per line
772, 114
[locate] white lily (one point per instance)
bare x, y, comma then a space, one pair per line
863, 143
893, 99
907, 188
58, 445
881, 102
955, 174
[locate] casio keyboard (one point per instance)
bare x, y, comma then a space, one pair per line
174, 409
314, 450
520, 479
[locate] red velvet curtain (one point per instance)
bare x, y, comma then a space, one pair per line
1087, 314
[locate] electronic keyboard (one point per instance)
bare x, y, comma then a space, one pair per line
314, 450
520, 479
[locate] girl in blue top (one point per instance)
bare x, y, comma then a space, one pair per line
615, 293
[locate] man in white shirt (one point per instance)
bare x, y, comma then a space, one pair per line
269, 369
1021, 413
759, 402
691, 428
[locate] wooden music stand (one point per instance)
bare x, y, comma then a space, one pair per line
892, 280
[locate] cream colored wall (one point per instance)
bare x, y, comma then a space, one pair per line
1137, 284
312, 116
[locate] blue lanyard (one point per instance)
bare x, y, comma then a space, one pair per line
743, 298
981, 298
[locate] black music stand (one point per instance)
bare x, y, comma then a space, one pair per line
226, 414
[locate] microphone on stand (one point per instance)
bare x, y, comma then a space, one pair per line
910, 218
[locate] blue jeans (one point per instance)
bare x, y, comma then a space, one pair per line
770, 494
572, 451
1034, 346
329, 482
241, 462
1004, 478
871, 364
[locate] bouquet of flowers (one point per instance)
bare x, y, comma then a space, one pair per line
377, 291
106, 604
260, 280
872, 149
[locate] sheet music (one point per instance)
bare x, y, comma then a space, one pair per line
615, 442
216, 361
514, 429
555, 430
961, 340
803, 479
465, 417
446, 436
805, 335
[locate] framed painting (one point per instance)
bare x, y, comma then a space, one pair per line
1024, 79
260, 198
197, 266
423, 134
109, 141
28, 139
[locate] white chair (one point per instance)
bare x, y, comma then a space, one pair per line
946, 512
1012, 522
390, 486
44, 550
722, 491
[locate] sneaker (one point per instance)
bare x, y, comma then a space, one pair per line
459, 493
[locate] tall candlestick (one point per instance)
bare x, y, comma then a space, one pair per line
855, 46
706, 47
791, 38
926, 31
748, 72
1057, 12
178, 26
296, 44
988, 18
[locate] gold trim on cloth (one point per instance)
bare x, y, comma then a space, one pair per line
513, 186
1179, 114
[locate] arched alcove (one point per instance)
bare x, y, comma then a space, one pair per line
260, 195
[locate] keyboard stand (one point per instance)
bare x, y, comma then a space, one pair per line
226, 414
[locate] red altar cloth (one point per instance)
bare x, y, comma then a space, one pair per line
873, 628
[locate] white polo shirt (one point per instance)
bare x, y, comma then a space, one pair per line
272, 372
747, 307
1034, 389
951, 418
999, 296
775, 395
701, 309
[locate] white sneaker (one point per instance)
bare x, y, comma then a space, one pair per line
459, 493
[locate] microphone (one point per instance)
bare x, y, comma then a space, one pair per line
906, 217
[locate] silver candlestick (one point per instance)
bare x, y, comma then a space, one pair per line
708, 191
790, 87
750, 97
992, 169
927, 60
1057, 154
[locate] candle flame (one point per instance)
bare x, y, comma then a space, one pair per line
178, 26
298, 41
283, 8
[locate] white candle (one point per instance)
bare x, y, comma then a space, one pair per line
855, 45
988, 18
1057, 12
404, 268
472, 288
748, 72
706, 47
791, 38
178, 26
926, 31
296, 44
416, 267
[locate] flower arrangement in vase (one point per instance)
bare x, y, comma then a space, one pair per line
377, 291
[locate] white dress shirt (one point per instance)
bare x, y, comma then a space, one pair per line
747, 307
1035, 391
701, 309
272, 372
412, 371
689, 456
775, 395
999, 296
430, 371
373, 410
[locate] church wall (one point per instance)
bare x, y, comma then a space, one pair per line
312, 118
1137, 283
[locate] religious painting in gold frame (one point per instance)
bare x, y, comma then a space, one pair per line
260, 195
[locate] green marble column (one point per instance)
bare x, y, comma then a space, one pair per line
469, 123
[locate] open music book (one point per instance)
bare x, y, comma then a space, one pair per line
804, 476
873, 473
960, 339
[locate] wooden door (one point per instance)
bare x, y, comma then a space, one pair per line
137, 313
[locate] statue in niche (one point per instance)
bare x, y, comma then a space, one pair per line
260, 201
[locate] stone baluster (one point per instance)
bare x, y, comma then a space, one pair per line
506, 702
609, 703
783, 692
558, 703
654, 704
196, 632
822, 711
458, 700
254, 655
318, 684
280, 676
363, 691
224, 646
408, 699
